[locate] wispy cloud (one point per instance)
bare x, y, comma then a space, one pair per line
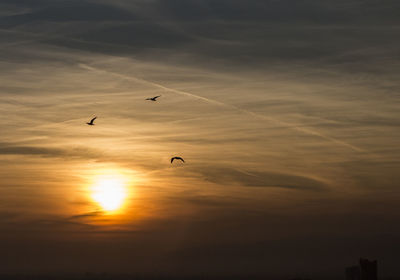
73, 152
225, 176
218, 103
286, 113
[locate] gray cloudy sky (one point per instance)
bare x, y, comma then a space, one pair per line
286, 112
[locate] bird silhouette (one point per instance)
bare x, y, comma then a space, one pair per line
153, 98
91, 121
173, 158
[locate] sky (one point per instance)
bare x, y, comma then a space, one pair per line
285, 111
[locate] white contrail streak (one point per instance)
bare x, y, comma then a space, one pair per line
218, 103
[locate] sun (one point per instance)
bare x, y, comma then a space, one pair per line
109, 192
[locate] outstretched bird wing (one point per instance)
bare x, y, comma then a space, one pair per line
153, 98
92, 120
172, 159
180, 159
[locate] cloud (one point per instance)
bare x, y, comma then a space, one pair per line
284, 11
87, 215
219, 33
73, 152
64, 11
266, 100
231, 176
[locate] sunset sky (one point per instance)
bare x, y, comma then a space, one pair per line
287, 113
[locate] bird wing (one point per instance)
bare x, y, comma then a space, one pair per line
155, 97
179, 158
93, 119
172, 159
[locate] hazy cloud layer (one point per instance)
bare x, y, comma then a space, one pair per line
286, 113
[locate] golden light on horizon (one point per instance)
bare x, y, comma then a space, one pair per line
110, 191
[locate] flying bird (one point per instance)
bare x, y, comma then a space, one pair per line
92, 121
172, 159
153, 98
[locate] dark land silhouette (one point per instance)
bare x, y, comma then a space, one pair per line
365, 270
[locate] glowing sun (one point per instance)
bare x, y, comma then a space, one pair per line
109, 192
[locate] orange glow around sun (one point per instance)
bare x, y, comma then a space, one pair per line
110, 191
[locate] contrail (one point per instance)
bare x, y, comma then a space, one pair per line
218, 103
142, 81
